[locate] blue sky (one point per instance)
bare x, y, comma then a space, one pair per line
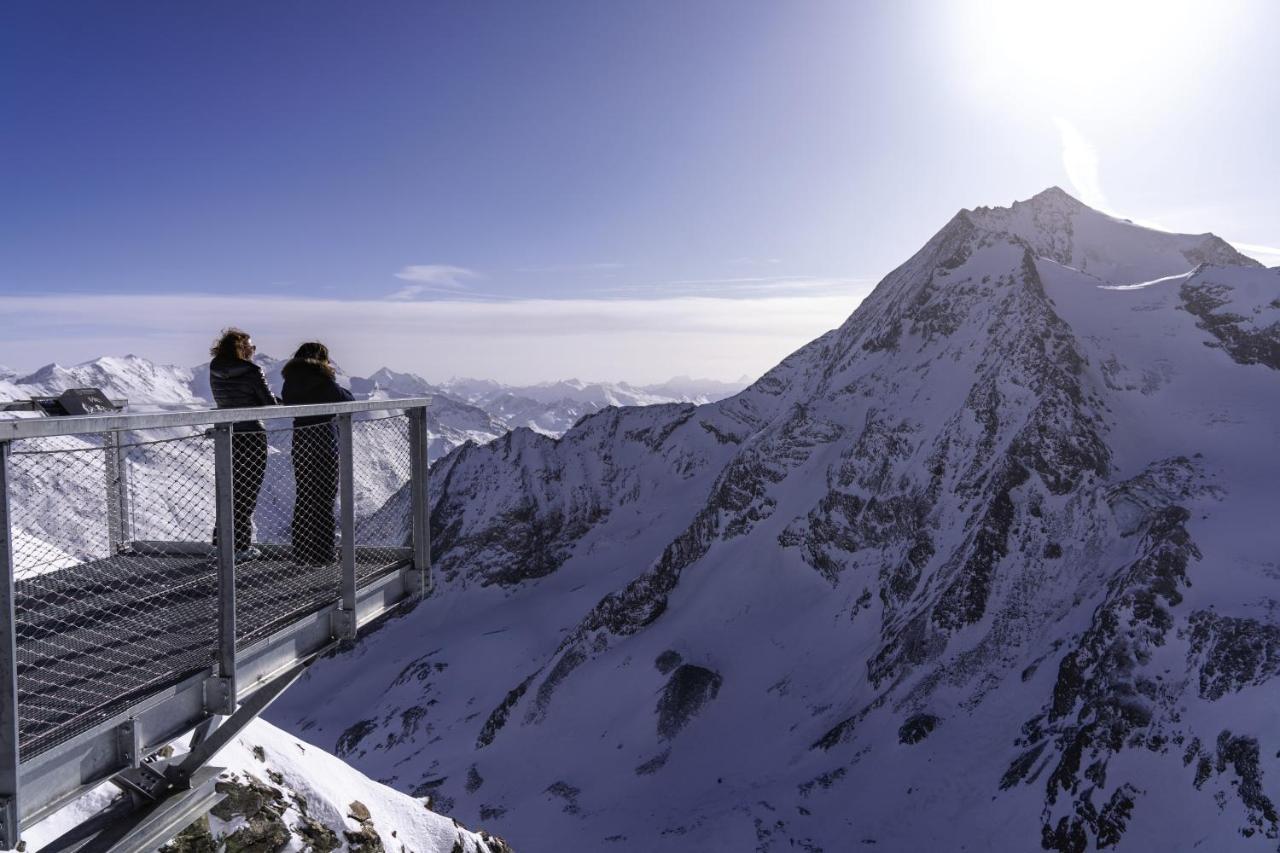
612, 190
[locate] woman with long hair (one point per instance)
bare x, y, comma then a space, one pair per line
309, 378
237, 383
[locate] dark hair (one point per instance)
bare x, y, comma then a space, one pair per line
232, 343
313, 350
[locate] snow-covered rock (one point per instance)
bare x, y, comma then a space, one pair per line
283, 794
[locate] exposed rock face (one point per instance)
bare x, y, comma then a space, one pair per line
689, 688
1233, 653
1248, 339
917, 728
1002, 526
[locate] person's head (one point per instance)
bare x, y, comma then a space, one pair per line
313, 351
233, 343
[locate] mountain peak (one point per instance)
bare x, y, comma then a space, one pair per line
1055, 196
1058, 226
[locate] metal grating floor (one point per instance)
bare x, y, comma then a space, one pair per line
97, 637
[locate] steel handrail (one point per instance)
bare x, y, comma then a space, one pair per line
20, 428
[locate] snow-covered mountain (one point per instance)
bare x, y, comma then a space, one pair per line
989, 567
130, 377
553, 407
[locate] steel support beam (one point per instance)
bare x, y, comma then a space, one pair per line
345, 622
419, 465
8, 669
224, 699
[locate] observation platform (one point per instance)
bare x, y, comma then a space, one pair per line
122, 627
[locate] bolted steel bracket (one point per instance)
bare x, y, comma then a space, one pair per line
9, 822
415, 583
344, 625
220, 696
129, 742
146, 784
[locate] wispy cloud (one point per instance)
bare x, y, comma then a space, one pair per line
603, 266
747, 286
1269, 255
432, 278
1080, 160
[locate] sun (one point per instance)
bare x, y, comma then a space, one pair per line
1087, 55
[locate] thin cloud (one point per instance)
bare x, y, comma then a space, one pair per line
746, 286
432, 278
1080, 160
1269, 255
588, 267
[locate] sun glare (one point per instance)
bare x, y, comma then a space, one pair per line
1088, 54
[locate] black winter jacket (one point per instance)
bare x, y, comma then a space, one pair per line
308, 381
239, 384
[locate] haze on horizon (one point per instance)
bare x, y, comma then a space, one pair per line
532, 192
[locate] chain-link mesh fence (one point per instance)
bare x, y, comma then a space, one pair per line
100, 624
382, 469
115, 559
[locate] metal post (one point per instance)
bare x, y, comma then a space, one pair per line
8, 669
122, 488
345, 618
419, 464
117, 493
220, 695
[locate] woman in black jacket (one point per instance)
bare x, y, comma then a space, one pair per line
309, 378
237, 383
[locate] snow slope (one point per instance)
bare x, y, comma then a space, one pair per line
988, 567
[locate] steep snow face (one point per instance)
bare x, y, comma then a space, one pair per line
988, 566
281, 793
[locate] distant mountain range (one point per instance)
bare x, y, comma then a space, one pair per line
462, 409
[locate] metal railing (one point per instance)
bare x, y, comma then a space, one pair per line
156, 569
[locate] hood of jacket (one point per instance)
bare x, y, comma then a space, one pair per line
308, 372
